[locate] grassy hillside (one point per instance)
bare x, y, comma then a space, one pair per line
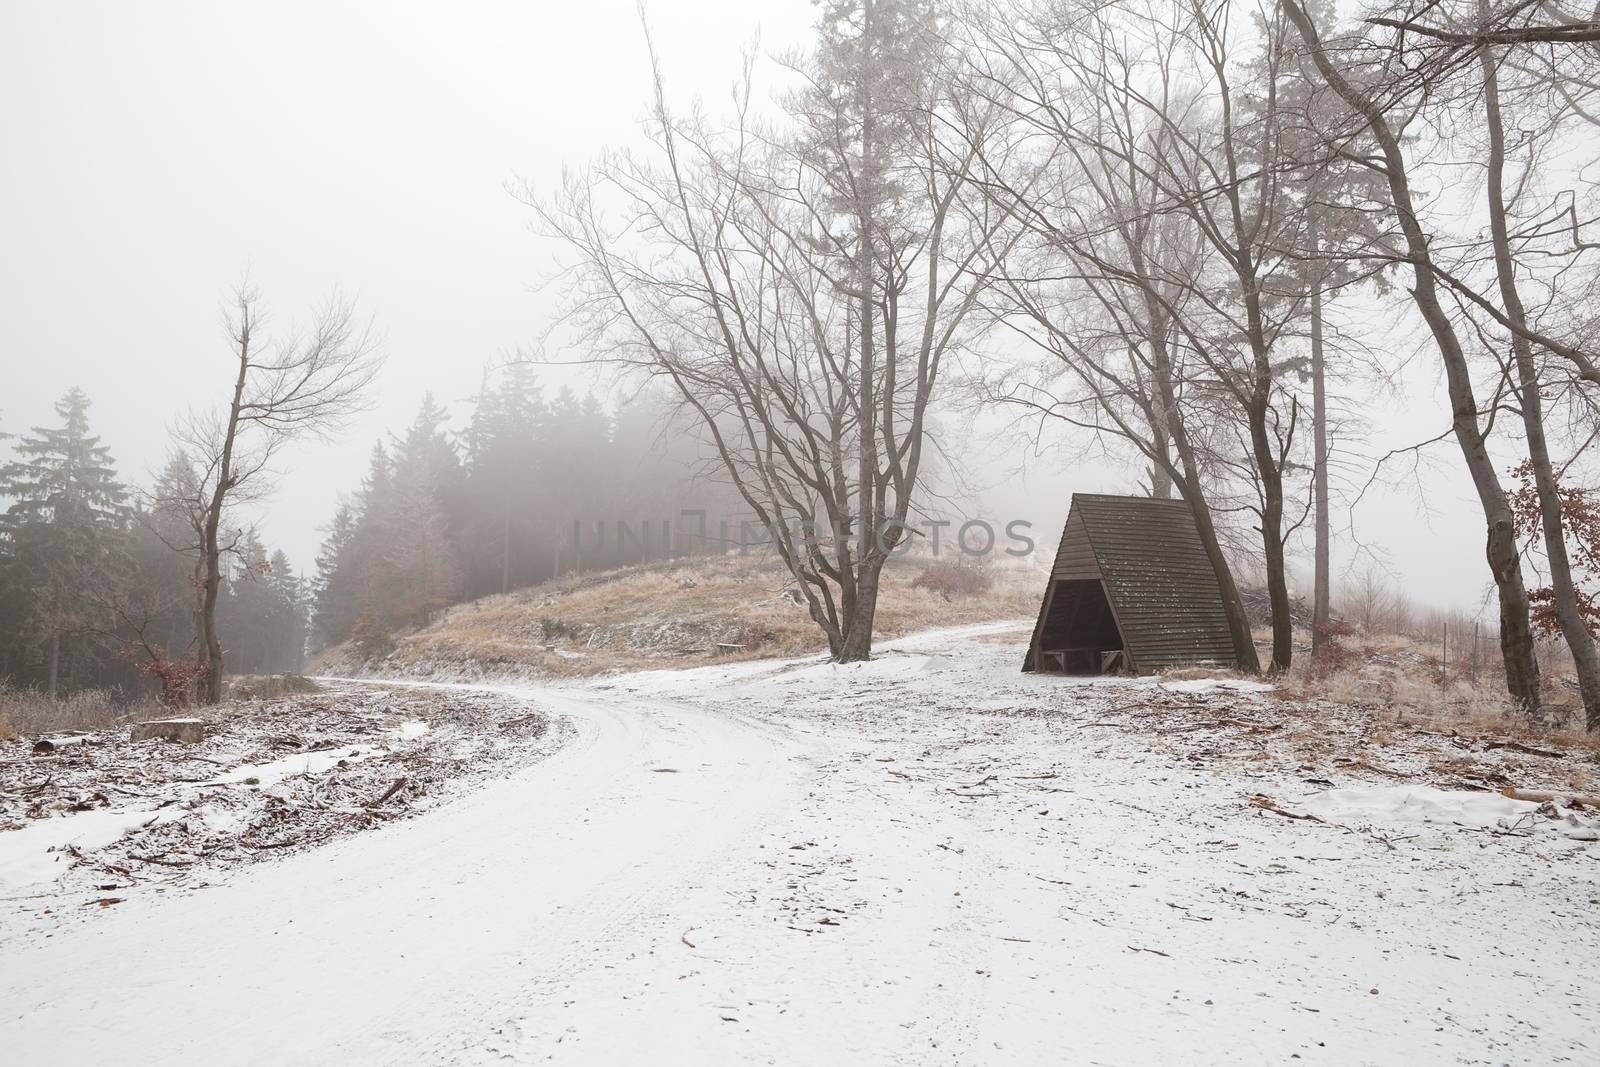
675, 614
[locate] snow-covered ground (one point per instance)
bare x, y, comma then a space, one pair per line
929, 858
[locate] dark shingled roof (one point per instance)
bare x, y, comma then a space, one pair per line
1162, 587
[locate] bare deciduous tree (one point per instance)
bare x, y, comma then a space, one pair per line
801, 284
1163, 187
282, 389
1371, 602
1469, 72
1371, 113
1513, 230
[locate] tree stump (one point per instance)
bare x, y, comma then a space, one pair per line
46, 746
186, 731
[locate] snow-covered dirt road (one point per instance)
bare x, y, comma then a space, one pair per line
426, 941
924, 859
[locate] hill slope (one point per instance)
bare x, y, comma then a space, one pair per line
675, 614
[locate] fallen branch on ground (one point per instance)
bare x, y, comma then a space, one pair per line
1517, 746
159, 860
1587, 800
391, 791
1266, 803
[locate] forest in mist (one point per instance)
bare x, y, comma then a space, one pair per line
102, 575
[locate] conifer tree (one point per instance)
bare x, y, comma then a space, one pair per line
333, 602
67, 531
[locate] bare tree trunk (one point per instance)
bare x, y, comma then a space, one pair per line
505, 551
1160, 482
1500, 549
1189, 488
1160, 473
212, 547
1169, 432
1568, 615
54, 669
1244, 643
197, 616
210, 642
1271, 475
856, 643
1321, 608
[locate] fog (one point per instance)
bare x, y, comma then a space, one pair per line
156, 154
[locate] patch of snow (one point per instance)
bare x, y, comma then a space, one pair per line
1407, 805
679, 682
268, 774
1211, 685
221, 820
943, 639
1580, 830
37, 854
879, 667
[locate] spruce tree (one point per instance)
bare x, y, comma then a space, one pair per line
288, 616
333, 602
67, 531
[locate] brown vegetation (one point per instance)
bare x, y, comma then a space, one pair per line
670, 615
953, 580
31, 712
1401, 679
269, 686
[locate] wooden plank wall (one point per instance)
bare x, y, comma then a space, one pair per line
1160, 580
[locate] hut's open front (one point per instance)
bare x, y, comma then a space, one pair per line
1078, 633
1131, 590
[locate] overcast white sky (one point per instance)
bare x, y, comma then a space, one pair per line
150, 153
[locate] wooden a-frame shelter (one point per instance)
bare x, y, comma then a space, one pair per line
1132, 590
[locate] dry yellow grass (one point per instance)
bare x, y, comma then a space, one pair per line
685, 613
268, 686
30, 713
1398, 678
1186, 674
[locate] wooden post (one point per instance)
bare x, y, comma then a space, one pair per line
54, 671
1474, 651
505, 551
1444, 654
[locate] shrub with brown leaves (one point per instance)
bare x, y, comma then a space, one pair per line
952, 580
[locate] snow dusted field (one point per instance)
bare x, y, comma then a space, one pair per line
929, 858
